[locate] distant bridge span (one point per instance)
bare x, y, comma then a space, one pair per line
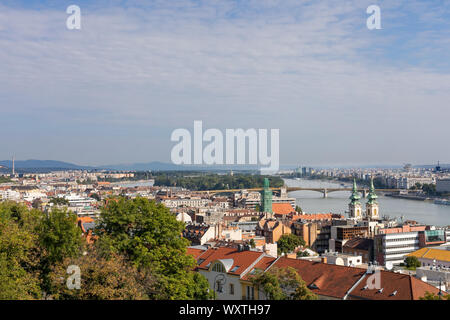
324, 191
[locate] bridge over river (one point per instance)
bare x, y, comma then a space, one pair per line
324, 191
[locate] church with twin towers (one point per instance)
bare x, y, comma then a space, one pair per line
355, 207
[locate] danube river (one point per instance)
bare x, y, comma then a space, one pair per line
337, 202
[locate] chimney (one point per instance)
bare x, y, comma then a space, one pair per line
323, 260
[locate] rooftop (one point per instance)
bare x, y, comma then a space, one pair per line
432, 254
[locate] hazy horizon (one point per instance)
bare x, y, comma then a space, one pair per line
243, 167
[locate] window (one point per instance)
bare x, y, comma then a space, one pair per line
219, 286
231, 288
254, 271
235, 269
218, 267
250, 293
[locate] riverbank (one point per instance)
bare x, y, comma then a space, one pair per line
312, 202
409, 197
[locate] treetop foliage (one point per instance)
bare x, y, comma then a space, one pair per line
283, 284
215, 181
138, 254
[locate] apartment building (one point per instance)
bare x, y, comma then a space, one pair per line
393, 244
342, 233
443, 185
272, 229
408, 182
200, 234
194, 202
316, 234
360, 246
225, 269
9, 194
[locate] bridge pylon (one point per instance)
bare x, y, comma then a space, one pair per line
325, 193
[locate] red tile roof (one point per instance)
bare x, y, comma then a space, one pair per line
194, 252
243, 259
282, 208
317, 216
323, 279
262, 264
407, 288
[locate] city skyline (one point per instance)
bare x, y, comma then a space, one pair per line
161, 166
113, 92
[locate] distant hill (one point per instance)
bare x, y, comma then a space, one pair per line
42, 164
48, 165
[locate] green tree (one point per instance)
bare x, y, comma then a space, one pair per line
282, 284
288, 242
102, 278
20, 214
59, 201
95, 196
19, 278
4, 179
60, 236
433, 296
252, 243
298, 209
37, 204
302, 254
429, 189
412, 262
150, 237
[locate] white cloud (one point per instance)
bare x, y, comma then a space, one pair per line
310, 68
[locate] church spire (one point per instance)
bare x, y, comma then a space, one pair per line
372, 197
354, 206
355, 194
266, 199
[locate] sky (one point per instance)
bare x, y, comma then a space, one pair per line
114, 91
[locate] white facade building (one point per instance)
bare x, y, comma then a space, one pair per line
194, 202
9, 195
393, 247
342, 259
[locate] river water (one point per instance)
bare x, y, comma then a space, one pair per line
337, 202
